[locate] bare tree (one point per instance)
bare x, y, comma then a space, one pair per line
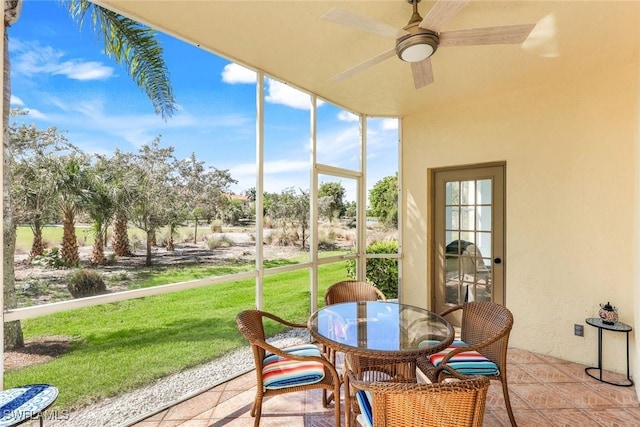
154, 196
32, 153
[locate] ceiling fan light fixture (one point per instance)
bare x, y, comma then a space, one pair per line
417, 47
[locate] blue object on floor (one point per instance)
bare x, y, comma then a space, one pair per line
20, 404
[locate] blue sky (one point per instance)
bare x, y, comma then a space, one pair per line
62, 77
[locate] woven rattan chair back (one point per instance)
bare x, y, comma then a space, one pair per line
449, 404
482, 321
352, 290
485, 327
251, 325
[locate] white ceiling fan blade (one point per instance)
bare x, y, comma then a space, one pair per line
441, 12
366, 64
369, 25
510, 34
422, 73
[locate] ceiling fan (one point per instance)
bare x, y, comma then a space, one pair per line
420, 38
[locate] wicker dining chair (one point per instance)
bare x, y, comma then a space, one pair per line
352, 290
349, 291
286, 370
458, 403
481, 350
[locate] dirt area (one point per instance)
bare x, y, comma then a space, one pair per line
39, 350
41, 285
37, 284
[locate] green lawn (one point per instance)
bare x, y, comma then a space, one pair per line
52, 235
122, 346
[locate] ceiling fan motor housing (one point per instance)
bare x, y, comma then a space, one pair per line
414, 46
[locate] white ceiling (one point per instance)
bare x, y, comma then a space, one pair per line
289, 40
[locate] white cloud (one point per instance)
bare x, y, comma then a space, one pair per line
34, 58
272, 167
16, 101
389, 124
36, 114
32, 112
280, 93
335, 144
91, 116
346, 116
275, 167
234, 74
275, 91
278, 175
79, 70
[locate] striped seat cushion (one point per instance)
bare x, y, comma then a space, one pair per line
279, 372
366, 413
467, 362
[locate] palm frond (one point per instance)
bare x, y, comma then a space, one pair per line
134, 46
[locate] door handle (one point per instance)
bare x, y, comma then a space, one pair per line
497, 260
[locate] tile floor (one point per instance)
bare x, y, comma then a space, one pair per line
544, 392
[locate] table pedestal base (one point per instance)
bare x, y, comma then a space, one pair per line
615, 327
628, 383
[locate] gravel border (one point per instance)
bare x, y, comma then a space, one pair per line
135, 406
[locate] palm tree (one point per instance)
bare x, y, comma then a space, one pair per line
100, 205
69, 180
130, 44
122, 181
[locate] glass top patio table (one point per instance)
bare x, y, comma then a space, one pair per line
380, 329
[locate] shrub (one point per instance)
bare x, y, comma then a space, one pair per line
84, 283
136, 243
382, 272
216, 226
187, 236
278, 238
50, 258
222, 241
111, 259
33, 288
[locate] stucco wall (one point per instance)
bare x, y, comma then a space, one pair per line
569, 147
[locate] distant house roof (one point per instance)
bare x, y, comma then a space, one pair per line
240, 197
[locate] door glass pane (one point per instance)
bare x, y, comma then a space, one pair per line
467, 220
450, 236
484, 244
483, 218
484, 191
452, 280
452, 218
452, 193
468, 236
467, 192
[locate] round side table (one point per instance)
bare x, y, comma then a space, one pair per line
616, 327
21, 404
